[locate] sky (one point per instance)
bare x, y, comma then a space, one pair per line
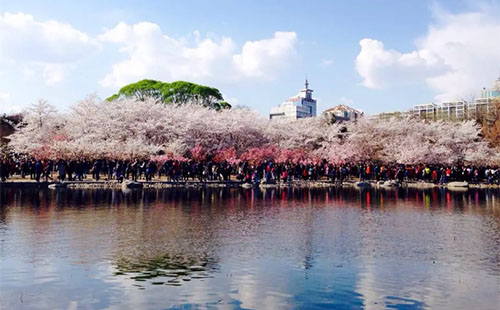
376, 55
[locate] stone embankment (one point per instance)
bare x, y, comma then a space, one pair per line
221, 184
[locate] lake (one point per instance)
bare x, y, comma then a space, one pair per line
249, 249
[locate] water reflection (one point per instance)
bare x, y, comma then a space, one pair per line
367, 198
165, 269
251, 249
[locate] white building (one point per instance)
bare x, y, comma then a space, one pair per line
485, 106
342, 113
299, 106
452, 110
461, 110
481, 108
426, 110
493, 92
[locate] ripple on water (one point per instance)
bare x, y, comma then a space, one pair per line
250, 249
165, 269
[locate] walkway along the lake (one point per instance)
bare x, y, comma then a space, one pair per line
196, 184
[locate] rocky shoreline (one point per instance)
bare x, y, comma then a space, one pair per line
237, 184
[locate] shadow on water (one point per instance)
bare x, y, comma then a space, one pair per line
392, 302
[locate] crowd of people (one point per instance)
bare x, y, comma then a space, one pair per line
208, 170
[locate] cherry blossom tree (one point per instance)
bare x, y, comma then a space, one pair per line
130, 128
227, 155
40, 131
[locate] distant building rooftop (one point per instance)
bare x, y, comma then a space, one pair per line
342, 113
299, 106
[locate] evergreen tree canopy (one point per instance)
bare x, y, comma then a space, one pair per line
178, 92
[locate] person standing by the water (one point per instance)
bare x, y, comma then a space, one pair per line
96, 169
25, 168
38, 170
149, 170
134, 169
71, 169
32, 169
119, 167
110, 169
434, 176
3, 169
78, 171
61, 170
48, 168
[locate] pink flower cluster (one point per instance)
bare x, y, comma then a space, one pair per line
129, 128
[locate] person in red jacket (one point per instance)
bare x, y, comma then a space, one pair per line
434, 175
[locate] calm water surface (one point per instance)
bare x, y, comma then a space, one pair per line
249, 249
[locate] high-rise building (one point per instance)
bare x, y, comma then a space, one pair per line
299, 106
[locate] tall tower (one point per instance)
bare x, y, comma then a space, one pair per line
299, 106
307, 100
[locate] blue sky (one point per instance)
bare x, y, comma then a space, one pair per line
374, 55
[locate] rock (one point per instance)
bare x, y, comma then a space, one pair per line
58, 185
270, 184
421, 185
457, 189
132, 185
390, 184
363, 184
457, 185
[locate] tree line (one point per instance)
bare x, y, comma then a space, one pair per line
142, 128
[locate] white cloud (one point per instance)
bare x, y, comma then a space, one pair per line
50, 47
384, 68
327, 62
458, 56
4, 98
265, 57
149, 53
6, 106
53, 73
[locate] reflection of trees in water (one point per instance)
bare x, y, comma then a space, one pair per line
3, 207
168, 269
191, 198
308, 262
176, 245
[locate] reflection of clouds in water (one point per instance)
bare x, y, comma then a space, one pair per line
254, 246
73, 305
52, 284
442, 287
199, 292
259, 288
245, 290
433, 259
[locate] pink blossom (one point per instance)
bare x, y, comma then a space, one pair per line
128, 128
